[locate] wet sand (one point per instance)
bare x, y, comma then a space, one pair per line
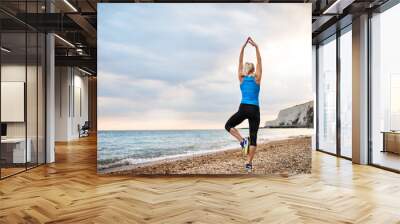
281, 157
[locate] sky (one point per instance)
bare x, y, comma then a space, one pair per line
174, 66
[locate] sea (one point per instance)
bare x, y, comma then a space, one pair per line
133, 147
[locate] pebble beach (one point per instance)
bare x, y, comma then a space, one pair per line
285, 157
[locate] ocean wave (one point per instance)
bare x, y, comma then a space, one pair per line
131, 160
130, 153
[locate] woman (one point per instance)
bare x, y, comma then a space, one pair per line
250, 79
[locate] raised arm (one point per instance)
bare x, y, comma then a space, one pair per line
259, 66
240, 69
258, 72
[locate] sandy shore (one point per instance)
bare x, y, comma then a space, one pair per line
282, 157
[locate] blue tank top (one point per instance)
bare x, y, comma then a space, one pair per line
250, 90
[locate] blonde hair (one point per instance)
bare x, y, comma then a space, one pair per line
248, 68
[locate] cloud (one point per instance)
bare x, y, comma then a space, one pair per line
166, 65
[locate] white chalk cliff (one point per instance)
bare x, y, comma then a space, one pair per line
299, 116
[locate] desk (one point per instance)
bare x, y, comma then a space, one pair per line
391, 141
15, 148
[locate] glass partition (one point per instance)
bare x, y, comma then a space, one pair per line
327, 96
41, 110
22, 78
31, 98
13, 94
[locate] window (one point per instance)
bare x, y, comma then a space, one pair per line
346, 93
385, 89
394, 102
327, 96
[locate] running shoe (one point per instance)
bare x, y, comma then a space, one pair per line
245, 146
249, 167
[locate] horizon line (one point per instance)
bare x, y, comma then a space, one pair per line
194, 129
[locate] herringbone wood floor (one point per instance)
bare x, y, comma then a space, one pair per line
70, 191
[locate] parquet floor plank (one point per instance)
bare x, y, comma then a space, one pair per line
70, 191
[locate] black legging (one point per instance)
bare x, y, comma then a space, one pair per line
250, 112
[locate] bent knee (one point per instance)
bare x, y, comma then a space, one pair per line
228, 127
253, 140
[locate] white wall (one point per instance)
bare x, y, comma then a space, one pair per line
70, 84
79, 117
62, 82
